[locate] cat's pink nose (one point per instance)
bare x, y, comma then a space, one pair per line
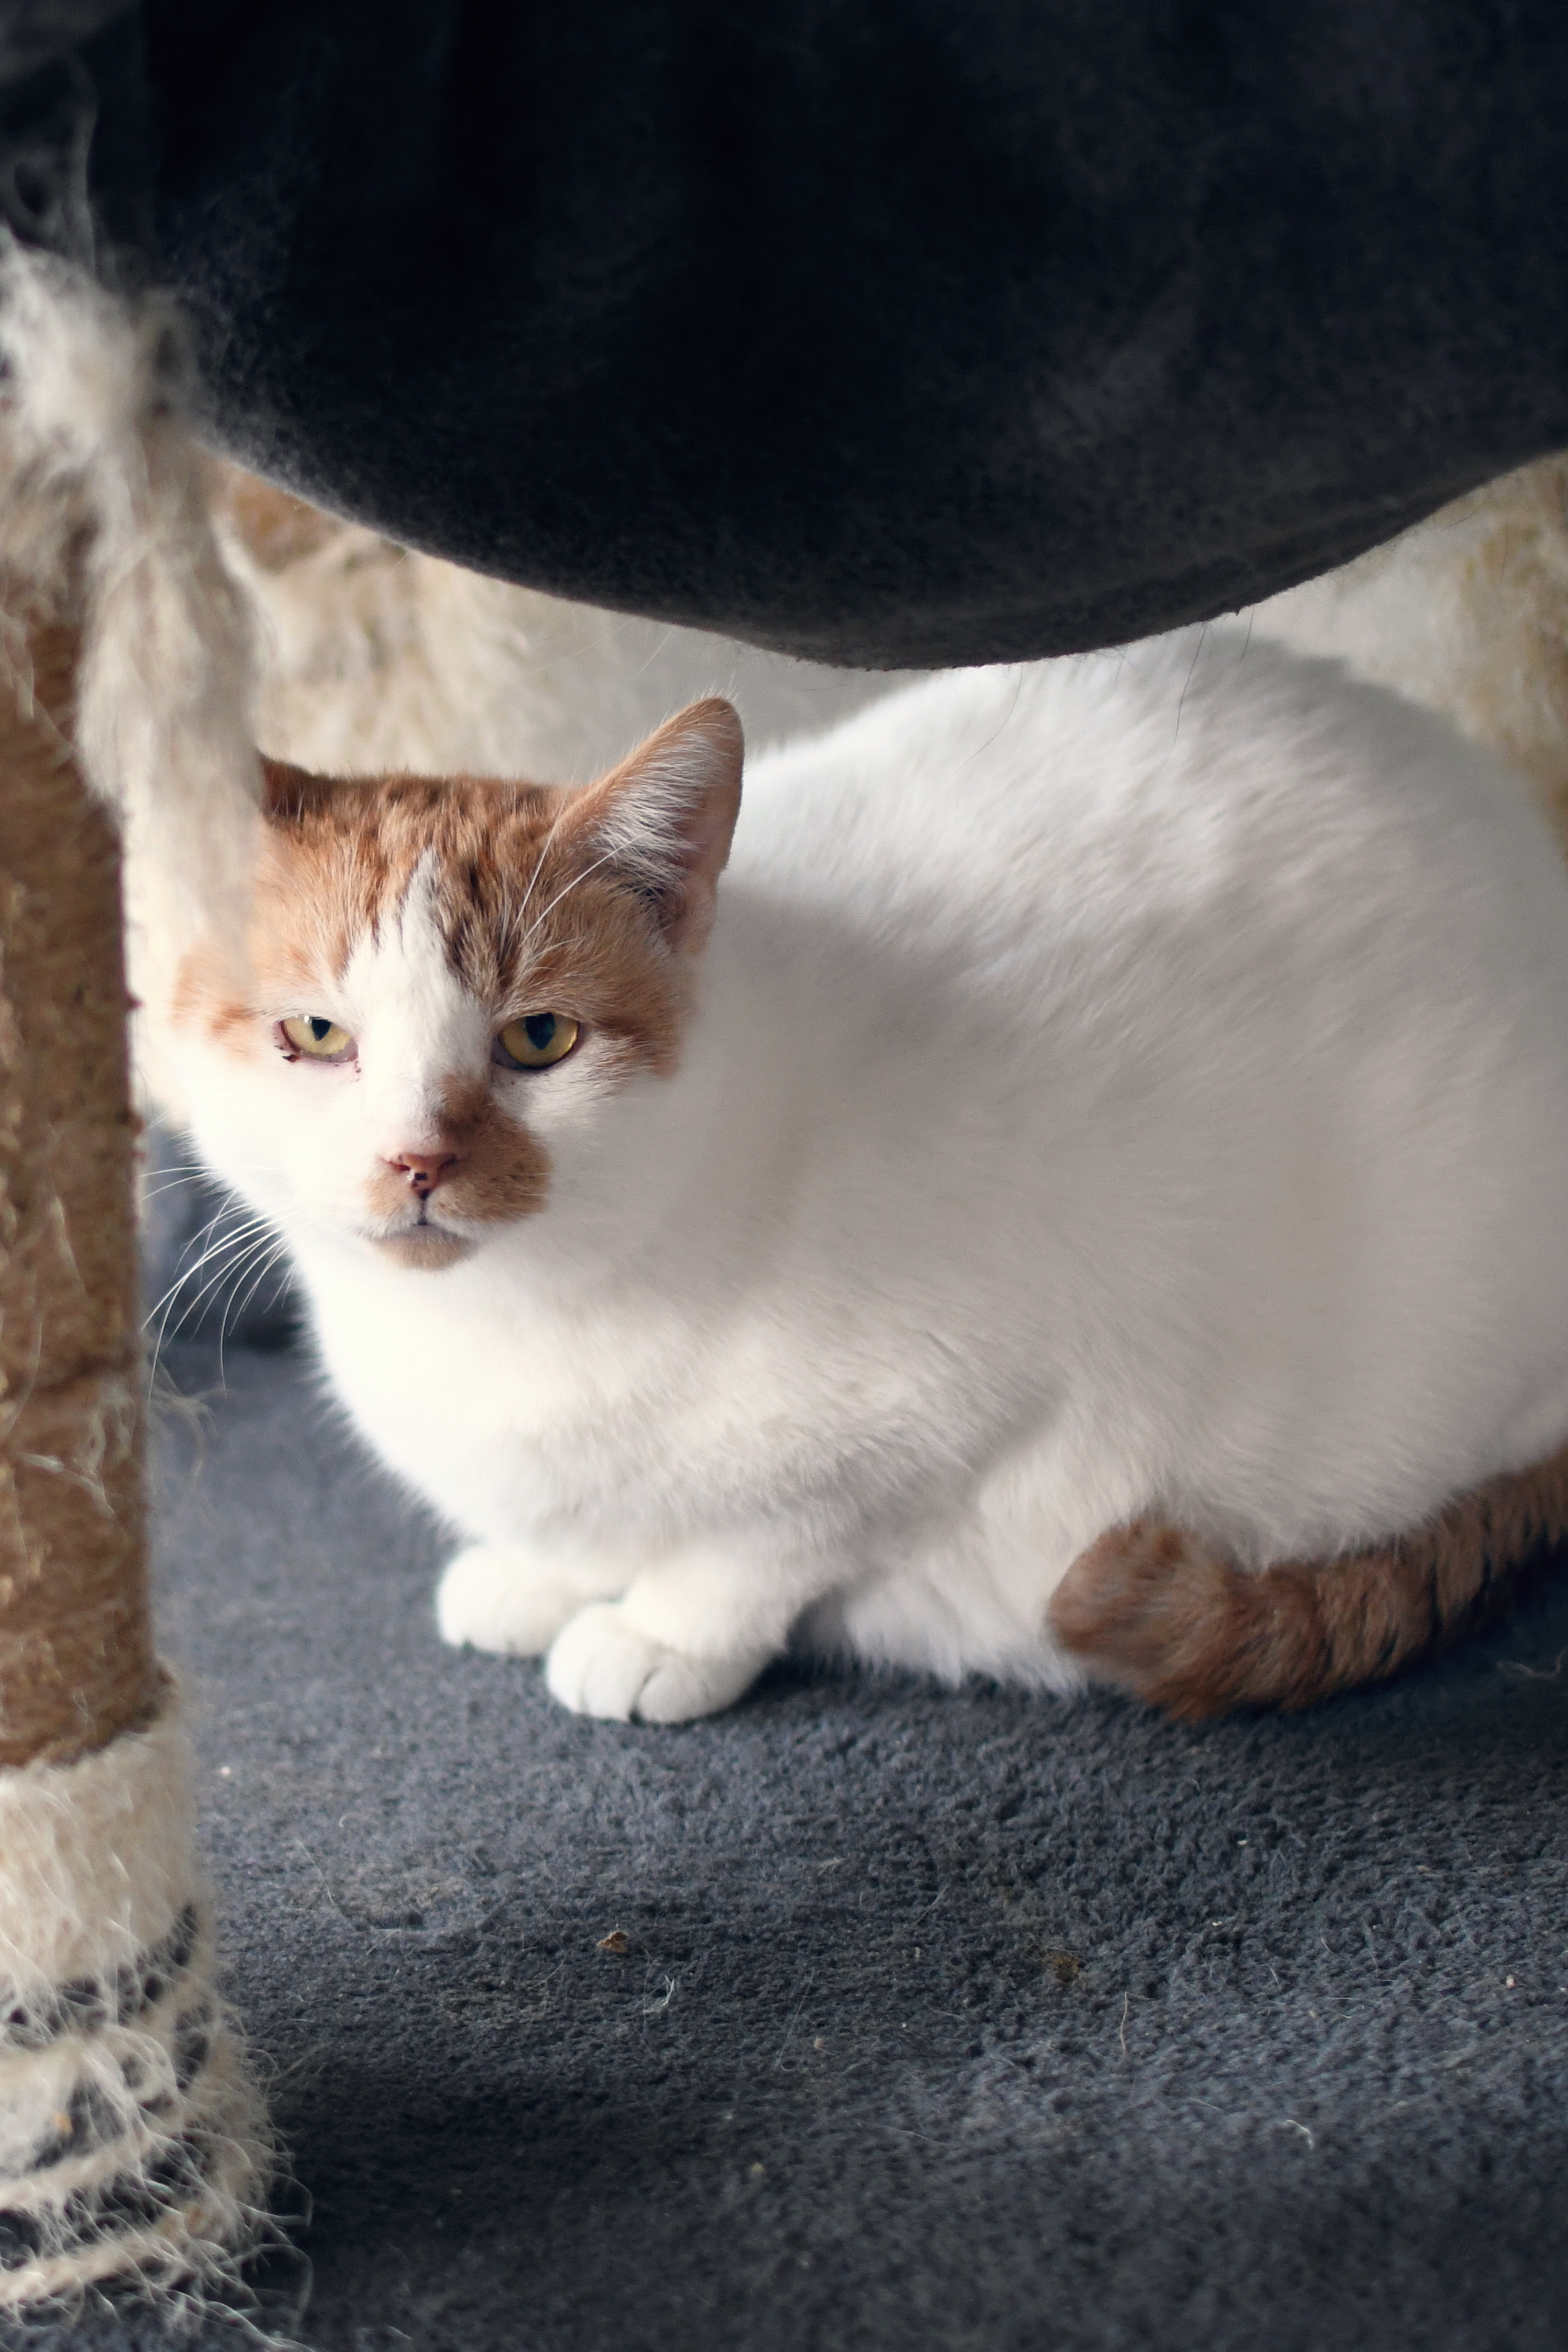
424, 1169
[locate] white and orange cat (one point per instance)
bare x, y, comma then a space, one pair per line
1085, 1191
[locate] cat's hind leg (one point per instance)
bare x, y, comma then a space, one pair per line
509, 1598
1161, 1613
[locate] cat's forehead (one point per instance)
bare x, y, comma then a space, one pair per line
402, 968
365, 837
356, 865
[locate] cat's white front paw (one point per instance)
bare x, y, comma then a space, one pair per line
497, 1597
602, 1665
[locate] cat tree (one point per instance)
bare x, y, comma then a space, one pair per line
132, 2143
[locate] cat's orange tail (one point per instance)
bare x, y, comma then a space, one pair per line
1164, 1614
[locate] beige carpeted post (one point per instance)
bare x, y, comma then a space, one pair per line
132, 2142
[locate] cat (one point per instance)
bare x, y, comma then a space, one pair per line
1082, 1197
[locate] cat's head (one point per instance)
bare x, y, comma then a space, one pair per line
446, 978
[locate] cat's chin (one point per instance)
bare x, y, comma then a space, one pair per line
425, 1247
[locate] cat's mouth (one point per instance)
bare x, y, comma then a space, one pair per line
426, 1246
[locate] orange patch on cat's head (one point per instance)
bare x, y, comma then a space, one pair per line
588, 898
589, 902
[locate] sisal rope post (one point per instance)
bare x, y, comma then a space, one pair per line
133, 2144
77, 1665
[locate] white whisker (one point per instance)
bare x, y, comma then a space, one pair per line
234, 1305
279, 1253
172, 1184
223, 1249
570, 886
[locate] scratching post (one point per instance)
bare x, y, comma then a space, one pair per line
131, 2143
76, 1652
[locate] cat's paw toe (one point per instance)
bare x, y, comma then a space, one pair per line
492, 1598
602, 1665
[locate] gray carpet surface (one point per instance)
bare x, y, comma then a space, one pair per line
962, 2019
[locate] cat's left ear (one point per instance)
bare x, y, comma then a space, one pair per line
666, 816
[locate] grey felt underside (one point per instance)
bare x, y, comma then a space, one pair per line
893, 332
952, 2019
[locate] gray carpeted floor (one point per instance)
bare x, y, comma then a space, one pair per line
968, 2020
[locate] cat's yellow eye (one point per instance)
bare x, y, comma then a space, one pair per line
322, 1040
536, 1040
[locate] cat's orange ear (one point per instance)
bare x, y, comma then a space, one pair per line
666, 816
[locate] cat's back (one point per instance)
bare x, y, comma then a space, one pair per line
1096, 795
1179, 919
1241, 988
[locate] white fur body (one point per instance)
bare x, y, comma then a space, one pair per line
1129, 1084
